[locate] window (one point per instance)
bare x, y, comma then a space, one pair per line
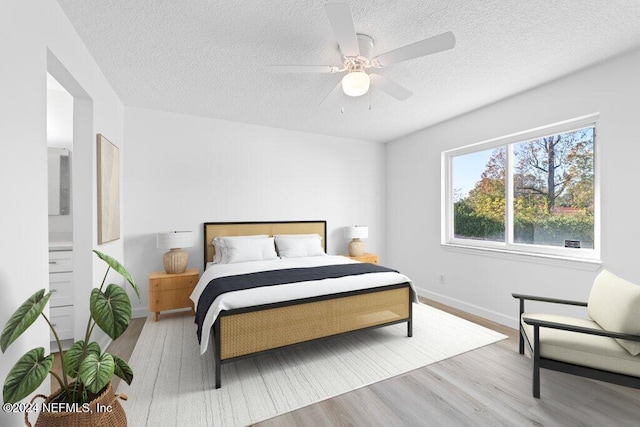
533, 192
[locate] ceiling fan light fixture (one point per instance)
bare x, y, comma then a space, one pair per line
356, 83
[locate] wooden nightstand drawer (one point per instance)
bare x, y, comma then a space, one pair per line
168, 283
366, 257
171, 291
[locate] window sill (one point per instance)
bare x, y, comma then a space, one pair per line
529, 257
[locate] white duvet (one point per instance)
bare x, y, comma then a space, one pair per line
279, 293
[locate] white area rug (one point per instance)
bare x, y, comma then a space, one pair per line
174, 385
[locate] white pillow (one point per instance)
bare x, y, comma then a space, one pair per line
220, 252
299, 245
245, 250
218, 249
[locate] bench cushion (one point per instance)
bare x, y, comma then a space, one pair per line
581, 349
614, 303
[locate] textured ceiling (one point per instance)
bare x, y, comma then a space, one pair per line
207, 57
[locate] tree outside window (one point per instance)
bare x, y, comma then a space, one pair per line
553, 189
553, 192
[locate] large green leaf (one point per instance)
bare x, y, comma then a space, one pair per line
74, 356
123, 370
111, 310
26, 375
24, 317
113, 263
96, 371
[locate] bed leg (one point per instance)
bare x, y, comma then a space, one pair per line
216, 352
410, 321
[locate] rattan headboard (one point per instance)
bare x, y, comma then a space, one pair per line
216, 229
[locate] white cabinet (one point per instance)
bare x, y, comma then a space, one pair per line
60, 261
61, 302
62, 320
62, 286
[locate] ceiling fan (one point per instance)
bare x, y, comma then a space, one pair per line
357, 52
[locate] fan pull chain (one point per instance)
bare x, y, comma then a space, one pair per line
342, 110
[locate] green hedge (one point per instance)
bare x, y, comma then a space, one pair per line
553, 230
468, 224
545, 230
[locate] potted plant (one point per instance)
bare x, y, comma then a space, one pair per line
85, 382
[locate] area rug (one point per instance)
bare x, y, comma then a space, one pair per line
174, 385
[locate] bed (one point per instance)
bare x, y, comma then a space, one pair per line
254, 321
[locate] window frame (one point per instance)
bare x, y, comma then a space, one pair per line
508, 246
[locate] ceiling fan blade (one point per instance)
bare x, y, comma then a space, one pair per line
333, 95
302, 69
341, 20
424, 47
398, 92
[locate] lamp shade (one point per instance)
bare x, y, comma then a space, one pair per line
174, 239
356, 83
356, 232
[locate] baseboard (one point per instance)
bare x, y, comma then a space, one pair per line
140, 312
101, 338
511, 322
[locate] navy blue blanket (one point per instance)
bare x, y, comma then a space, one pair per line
239, 282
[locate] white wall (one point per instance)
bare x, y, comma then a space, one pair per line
181, 171
59, 116
482, 284
27, 30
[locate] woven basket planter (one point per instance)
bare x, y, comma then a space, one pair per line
84, 417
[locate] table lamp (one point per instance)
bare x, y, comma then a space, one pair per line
175, 261
356, 232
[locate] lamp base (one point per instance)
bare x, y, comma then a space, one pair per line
175, 261
356, 247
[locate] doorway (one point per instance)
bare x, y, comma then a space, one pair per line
73, 235
60, 218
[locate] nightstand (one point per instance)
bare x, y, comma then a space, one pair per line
171, 291
370, 258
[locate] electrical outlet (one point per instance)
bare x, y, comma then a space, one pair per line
442, 279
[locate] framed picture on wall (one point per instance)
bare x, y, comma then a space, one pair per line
108, 191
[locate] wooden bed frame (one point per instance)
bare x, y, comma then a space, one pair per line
250, 331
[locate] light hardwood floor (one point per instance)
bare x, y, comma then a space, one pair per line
490, 386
